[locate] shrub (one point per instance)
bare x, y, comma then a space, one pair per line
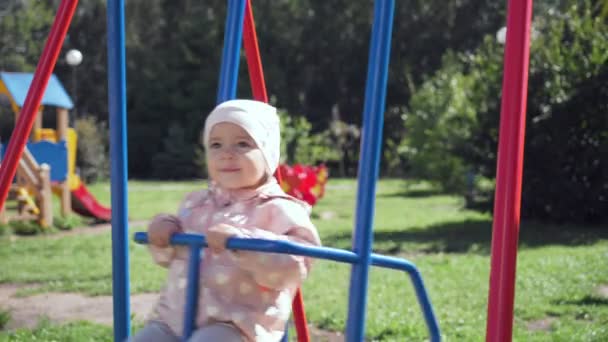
92, 151
300, 145
5, 317
26, 227
453, 119
178, 158
66, 223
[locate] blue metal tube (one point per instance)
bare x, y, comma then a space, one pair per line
261, 245
286, 247
421, 294
192, 291
231, 54
117, 94
373, 120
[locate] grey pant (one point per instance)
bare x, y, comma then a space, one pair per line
160, 332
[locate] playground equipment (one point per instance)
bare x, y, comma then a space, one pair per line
510, 162
304, 182
54, 147
240, 19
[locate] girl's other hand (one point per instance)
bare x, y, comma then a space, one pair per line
162, 227
218, 235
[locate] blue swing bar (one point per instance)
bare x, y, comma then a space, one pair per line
198, 241
117, 94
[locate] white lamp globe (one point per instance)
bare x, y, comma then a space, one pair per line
73, 57
501, 35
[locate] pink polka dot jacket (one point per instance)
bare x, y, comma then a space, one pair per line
251, 290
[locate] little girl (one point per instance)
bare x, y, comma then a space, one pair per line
243, 296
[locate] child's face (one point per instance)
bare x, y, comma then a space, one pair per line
233, 159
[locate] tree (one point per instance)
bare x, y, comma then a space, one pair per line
567, 132
24, 27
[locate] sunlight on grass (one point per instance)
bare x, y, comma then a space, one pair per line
559, 268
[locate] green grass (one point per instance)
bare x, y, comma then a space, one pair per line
559, 267
72, 332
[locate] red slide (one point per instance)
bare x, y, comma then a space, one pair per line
85, 204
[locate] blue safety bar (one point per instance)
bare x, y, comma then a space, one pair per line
197, 241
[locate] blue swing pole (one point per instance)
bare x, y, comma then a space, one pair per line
231, 54
118, 163
373, 120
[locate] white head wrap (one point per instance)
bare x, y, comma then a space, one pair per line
257, 118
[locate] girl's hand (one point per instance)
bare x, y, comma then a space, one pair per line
161, 228
218, 235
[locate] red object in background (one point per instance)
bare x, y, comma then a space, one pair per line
304, 182
85, 204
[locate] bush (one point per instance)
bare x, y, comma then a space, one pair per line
26, 227
5, 317
453, 119
178, 158
66, 223
565, 167
300, 145
440, 123
92, 151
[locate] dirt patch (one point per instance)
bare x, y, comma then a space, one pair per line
602, 291
327, 215
543, 324
94, 229
325, 336
26, 312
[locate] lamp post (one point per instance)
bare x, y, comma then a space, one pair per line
74, 57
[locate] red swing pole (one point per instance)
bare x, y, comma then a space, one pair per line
43, 72
507, 200
258, 86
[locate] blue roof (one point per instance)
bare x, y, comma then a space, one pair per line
18, 83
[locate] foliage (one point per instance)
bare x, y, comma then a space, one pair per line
66, 223
5, 317
300, 145
178, 157
174, 52
25, 227
566, 172
439, 125
92, 150
453, 118
23, 28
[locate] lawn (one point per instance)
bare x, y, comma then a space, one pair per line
561, 269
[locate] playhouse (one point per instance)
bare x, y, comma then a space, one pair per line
49, 160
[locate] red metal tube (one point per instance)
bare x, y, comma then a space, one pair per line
258, 86
252, 52
34, 95
507, 202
